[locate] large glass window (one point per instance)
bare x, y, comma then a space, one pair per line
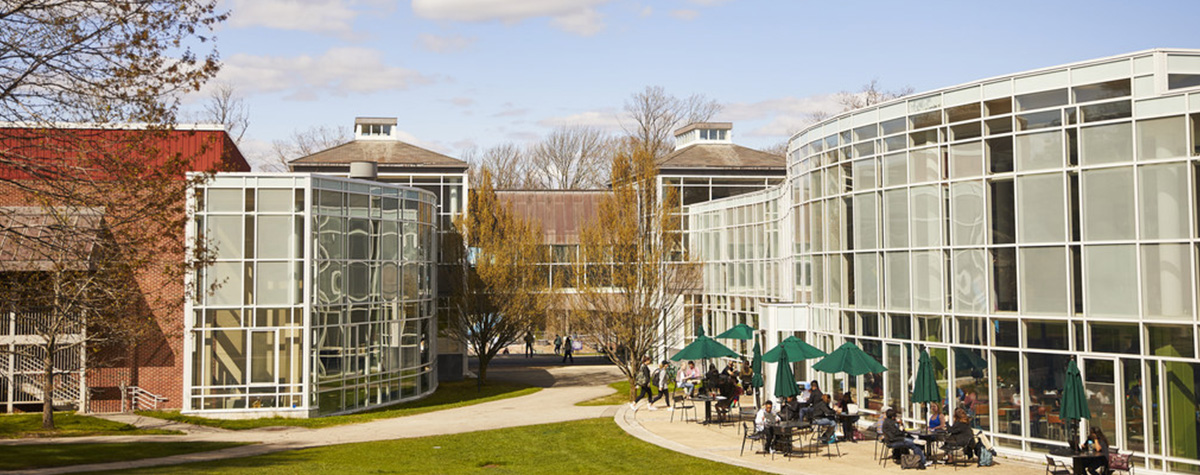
924, 165
864, 174
1167, 281
866, 280
895, 169
1008, 393
866, 221
1044, 281
1004, 279
1110, 281
967, 210
1182, 405
897, 281
895, 210
969, 281
926, 216
1045, 375
929, 292
1162, 138
1041, 216
1039, 151
1163, 201
966, 159
1106, 143
1003, 212
1108, 204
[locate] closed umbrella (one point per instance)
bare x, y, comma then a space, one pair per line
756, 381
1074, 400
740, 331
785, 381
926, 389
795, 349
849, 359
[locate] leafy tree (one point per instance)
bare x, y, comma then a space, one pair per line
635, 271
497, 295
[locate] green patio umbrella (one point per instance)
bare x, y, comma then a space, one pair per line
795, 349
849, 359
785, 381
703, 348
740, 331
756, 366
925, 388
1074, 400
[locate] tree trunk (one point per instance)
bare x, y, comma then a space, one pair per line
48, 389
484, 360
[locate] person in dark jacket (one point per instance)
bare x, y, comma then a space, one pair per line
848, 411
1097, 443
897, 438
789, 409
823, 415
642, 380
961, 434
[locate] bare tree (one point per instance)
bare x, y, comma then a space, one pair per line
302, 143
226, 107
635, 272
652, 116
108, 62
572, 158
508, 166
870, 94
779, 148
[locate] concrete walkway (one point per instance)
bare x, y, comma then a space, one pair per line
564, 386
723, 444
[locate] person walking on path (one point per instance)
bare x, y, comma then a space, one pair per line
568, 350
662, 380
529, 344
643, 383
557, 345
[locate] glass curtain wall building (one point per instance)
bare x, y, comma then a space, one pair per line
1005, 226
320, 298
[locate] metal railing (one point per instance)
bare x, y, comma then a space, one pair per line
141, 399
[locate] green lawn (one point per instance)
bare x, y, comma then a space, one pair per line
447, 396
588, 446
25, 457
68, 424
619, 397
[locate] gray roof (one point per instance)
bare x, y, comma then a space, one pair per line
45, 239
383, 152
721, 156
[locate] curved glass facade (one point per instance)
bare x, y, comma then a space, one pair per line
325, 302
1006, 226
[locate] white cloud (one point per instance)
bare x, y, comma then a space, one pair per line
707, 3
685, 15
574, 16
646, 12
585, 22
438, 147
332, 17
785, 116
338, 71
444, 44
510, 111
604, 119
462, 101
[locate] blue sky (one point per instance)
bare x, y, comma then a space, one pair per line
461, 73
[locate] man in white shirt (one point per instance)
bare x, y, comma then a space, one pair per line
765, 422
688, 378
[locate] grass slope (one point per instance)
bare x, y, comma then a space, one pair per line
447, 396
68, 424
25, 457
587, 446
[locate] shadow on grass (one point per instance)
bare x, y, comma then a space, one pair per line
68, 424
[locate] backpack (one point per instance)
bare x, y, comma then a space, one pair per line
985, 458
910, 461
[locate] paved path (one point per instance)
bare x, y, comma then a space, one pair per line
723, 444
563, 387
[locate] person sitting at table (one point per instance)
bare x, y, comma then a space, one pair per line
848, 413
746, 375
814, 396
897, 438
935, 416
805, 394
1096, 443
728, 390
789, 409
823, 415
961, 434
688, 379
765, 422
711, 380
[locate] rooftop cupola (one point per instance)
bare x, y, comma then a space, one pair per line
375, 128
704, 132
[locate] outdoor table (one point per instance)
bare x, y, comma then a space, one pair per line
844, 419
1080, 461
786, 431
932, 438
708, 400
